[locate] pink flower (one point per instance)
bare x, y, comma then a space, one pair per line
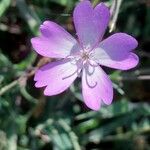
85, 56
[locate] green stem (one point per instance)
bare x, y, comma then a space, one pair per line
115, 14
8, 87
72, 135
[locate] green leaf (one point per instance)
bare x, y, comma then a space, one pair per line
4, 5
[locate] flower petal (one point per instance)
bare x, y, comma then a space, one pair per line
117, 46
96, 86
115, 52
54, 41
57, 76
130, 62
90, 23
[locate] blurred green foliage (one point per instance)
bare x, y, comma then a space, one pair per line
31, 121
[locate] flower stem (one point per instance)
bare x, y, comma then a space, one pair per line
116, 5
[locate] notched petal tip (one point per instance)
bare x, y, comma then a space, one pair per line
54, 41
90, 23
51, 76
103, 91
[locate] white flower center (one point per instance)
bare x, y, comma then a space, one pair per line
82, 59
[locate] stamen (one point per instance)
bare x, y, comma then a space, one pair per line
69, 56
77, 71
90, 72
91, 86
73, 59
93, 65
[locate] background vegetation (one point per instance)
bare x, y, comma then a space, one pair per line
31, 121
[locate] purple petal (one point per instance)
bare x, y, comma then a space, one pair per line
96, 86
115, 52
57, 76
54, 41
90, 23
130, 62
